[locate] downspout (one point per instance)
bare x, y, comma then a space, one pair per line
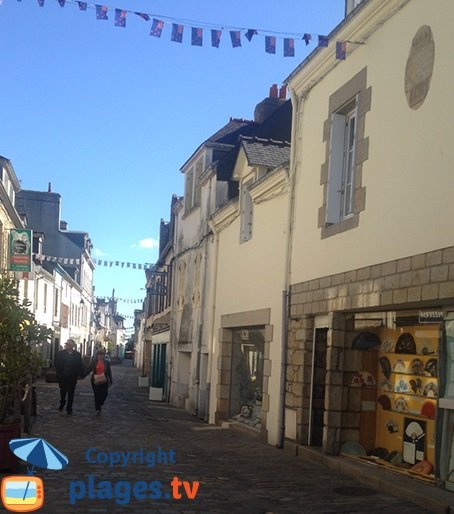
297, 104
213, 313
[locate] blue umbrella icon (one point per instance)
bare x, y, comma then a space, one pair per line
38, 452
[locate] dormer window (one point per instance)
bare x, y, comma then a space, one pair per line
192, 185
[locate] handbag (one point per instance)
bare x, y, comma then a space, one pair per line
99, 379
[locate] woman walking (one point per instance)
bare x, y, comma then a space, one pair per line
101, 378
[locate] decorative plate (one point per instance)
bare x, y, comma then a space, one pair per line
430, 390
385, 366
431, 368
401, 387
399, 366
417, 367
406, 343
401, 404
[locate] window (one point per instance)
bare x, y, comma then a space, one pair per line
192, 189
246, 212
45, 299
347, 149
341, 174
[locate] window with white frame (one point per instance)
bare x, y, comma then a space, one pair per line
192, 185
341, 174
246, 212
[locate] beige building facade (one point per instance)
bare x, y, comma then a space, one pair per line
372, 268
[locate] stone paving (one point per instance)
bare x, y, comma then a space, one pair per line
237, 473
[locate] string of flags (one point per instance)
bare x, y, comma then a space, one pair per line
132, 265
126, 300
71, 261
178, 28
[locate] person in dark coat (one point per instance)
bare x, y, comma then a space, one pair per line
101, 378
69, 368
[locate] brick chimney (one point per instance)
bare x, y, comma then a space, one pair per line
269, 105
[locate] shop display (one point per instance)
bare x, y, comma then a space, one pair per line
408, 388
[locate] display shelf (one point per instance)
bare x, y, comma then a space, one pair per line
413, 375
433, 355
412, 394
408, 414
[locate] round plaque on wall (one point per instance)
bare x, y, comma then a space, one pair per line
420, 63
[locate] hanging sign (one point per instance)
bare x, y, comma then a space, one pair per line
20, 250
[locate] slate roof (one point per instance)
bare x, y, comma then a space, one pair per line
265, 152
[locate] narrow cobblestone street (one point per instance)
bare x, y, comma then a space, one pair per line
237, 474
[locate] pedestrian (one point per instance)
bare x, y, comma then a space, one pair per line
69, 367
101, 378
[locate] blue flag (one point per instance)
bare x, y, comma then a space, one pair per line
235, 36
250, 34
156, 28
120, 18
41, 3
177, 33
341, 50
270, 44
323, 41
197, 37
143, 16
215, 37
289, 47
101, 12
62, 3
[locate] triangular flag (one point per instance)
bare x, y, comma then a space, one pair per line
307, 38
143, 16
62, 3
215, 37
156, 28
120, 18
82, 6
250, 34
41, 3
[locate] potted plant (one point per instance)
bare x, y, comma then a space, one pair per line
20, 338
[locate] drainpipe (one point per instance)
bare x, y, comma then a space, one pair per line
213, 313
297, 106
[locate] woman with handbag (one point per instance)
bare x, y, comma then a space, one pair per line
101, 378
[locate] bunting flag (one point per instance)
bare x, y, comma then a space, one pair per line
235, 36
156, 28
323, 41
215, 37
289, 47
197, 37
307, 38
101, 12
177, 29
143, 16
71, 261
270, 44
341, 50
250, 34
120, 18
177, 33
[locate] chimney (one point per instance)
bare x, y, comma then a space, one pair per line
269, 105
63, 225
49, 188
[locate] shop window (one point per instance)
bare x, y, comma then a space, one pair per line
246, 384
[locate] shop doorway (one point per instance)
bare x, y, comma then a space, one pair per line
246, 385
318, 387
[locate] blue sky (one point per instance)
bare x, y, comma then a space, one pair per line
108, 115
